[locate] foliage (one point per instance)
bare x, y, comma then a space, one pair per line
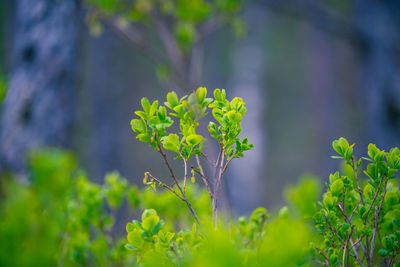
3, 88
154, 120
60, 217
359, 220
171, 32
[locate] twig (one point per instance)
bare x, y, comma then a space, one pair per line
184, 177
358, 182
373, 200
227, 163
184, 198
346, 246
344, 214
131, 35
170, 45
216, 190
323, 255
208, 28
334, 231
204, 178
377, 212
221, 150
169, 168
355, 250
165, 186
354, 210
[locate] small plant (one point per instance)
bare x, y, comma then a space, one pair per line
150, 240
360, 220
186, 144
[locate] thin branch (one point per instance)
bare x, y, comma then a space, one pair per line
373, 200
170, 169
184, 198
344, 214
165, 186
227, 163
358, 182
377, 212
170, 45
221, 150
336, 234
184, 177
346, 246
217, 188
323, 255
208, 28
204, 178
193, 212
355, 250
130, 34
351, 225
354, 210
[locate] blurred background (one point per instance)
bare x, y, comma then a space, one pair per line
310, 71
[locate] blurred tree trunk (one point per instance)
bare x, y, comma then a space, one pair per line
245, 174
378, 23
38, 109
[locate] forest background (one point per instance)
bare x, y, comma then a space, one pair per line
310, 71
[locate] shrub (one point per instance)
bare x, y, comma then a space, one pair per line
61, 218
186, 144
359, 219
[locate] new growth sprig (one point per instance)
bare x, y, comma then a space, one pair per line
187, 144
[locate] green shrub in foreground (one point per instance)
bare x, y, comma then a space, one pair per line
359, 219
61, 218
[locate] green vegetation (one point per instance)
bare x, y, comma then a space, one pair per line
170, 32
59, 217
3, 88
186, 144
359, 220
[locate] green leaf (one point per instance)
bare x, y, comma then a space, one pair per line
138, 126
201, 94
150, 222
337, 187
162, 113
143, 137
340, 146
172, 99
172, 143
148, 212
194, 139
146, 104
130, 227
153, 108
129, 246
329, 201
217, 94
234, 116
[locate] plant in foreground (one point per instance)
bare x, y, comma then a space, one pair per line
186, 144
360, 220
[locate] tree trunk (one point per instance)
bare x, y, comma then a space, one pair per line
378, 23
38, 109
245, 173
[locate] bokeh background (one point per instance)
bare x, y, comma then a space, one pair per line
309, 71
